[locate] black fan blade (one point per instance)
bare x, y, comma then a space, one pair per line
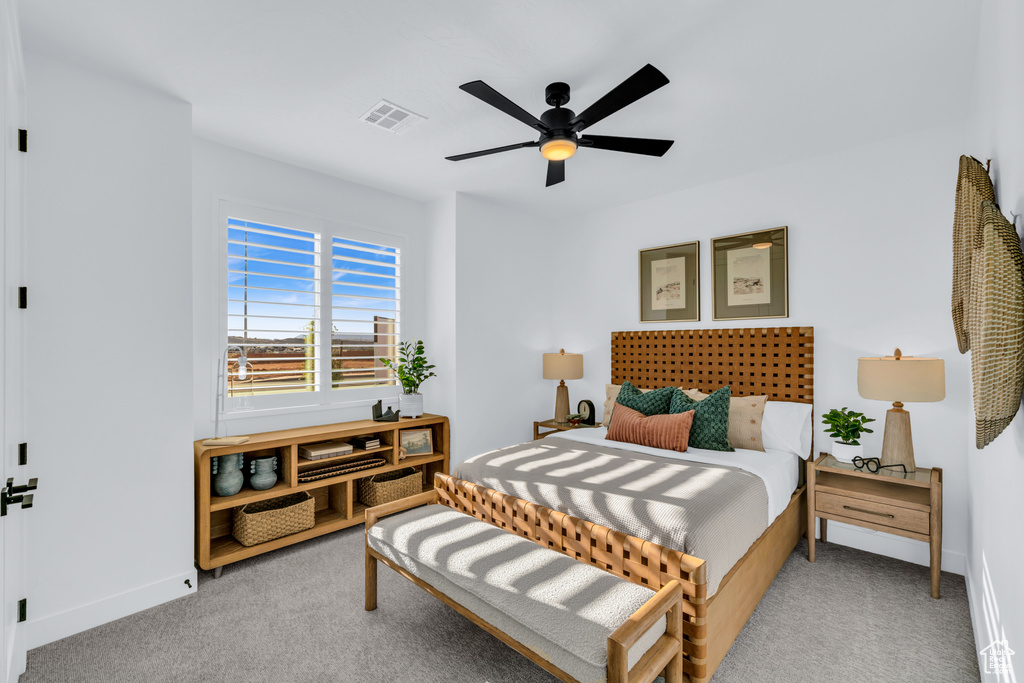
485, 152
642, 83
556, 173
648, 146
497, 100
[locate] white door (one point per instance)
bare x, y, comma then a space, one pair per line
12, 344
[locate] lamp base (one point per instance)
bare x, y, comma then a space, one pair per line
898, 445
561, 402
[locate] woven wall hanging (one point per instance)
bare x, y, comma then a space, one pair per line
996, 324
973, 186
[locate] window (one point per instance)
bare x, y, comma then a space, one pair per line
313, 304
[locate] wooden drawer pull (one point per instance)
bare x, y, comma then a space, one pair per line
868, 512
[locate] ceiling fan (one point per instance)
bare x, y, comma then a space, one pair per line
559, 127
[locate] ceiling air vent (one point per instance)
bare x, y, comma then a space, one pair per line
391, 117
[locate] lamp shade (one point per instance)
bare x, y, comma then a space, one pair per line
904, 379
563, 365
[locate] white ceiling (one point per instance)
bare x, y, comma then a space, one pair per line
754, 83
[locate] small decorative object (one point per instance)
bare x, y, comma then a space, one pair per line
899, 378
417, 441
335, 470
574, 419
388, 486
562, 366
262, 474
586, 409
266, 520
380, 416
750, 273
412, 370
227, 471
846, 426
670, 283
873, 465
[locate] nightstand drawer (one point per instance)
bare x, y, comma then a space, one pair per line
868, 511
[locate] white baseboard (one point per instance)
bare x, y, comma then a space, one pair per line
881, 543
53, 627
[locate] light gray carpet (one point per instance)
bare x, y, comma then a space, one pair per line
297, 615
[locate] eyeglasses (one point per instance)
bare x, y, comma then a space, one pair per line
875, 464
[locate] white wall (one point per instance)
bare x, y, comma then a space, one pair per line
439, 327
996, 473
219, 172
504, 304
109, 319
869, 269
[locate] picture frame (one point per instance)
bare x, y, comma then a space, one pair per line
668, 283
416, 441
750, 275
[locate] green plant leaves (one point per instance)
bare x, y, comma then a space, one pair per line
412, 368
846, 425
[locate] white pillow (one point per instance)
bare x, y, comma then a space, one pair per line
787, 427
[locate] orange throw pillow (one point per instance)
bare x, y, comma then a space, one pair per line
656, 431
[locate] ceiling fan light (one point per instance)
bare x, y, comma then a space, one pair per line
763, 245
558, 149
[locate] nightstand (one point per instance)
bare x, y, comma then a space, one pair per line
905, 504
553, 427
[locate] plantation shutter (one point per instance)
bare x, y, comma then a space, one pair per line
273, 307
365, 311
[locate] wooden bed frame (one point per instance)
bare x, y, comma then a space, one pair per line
777, 362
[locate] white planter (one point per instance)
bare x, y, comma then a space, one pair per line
411, 405
846, 452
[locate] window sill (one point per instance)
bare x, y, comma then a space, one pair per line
388, 401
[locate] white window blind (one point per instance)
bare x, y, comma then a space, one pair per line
365, 311
273, 307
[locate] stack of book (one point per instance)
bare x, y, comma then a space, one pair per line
366, 442
326, 449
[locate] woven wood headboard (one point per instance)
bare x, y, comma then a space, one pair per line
774, 361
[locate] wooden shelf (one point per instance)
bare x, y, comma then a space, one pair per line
226, 549
248, 496
335, 495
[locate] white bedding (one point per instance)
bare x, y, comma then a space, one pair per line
779, 470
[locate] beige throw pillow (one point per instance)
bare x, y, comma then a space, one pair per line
611, 392
745, 416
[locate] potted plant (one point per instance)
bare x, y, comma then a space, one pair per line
845, 427
412, 370
574, 419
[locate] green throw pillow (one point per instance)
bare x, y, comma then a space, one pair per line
655, 402
710, 429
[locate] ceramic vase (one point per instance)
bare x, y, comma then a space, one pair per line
228, 477
410, 405
262, 472
845, 452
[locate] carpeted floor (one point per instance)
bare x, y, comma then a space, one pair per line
297, 615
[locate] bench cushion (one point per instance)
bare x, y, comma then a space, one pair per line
562, 609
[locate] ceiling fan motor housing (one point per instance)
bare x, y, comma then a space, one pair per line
557, 94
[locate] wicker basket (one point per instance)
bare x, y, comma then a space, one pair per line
388, 486
266, 520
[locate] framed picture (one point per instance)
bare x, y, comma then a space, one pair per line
670, 283
750, 274
416, 441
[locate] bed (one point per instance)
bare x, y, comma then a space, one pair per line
736, 516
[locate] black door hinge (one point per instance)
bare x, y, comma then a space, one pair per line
22, 453
22, 610
22, 297
22, 140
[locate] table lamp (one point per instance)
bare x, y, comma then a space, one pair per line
900, 378
562, 366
